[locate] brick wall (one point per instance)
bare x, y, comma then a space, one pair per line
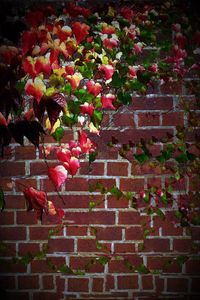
113, 224
124, 253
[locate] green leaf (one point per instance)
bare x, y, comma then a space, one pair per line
26, 259
142, 269
116, 192
181, 259
99, 246
67, 88
2, 199
191, 156
160, 213
103, 260
92, 157
146, 233
117, 80
97, 118
20, 86
141, 158
137, 85
92, 205
79, 272
69, 120
125, 98
58, 134
65, 269
196, 220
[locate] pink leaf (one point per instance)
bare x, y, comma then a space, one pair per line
58, 175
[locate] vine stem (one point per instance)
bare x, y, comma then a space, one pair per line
45, 160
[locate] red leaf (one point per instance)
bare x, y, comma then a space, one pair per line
29, 39
80, 30
58, 175
36, 200
72, 166
107, 101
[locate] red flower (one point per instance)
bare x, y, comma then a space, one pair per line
87, 108
80, 30
58, 175
42, 65
107, 101
93, 88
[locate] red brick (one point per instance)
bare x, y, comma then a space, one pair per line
177, 284
159, 284
123, 119
96, 168
7, 282
79, 262
148, 119
27, 152
127, 282
7, 266
61, 245
156, 245
94, 217
117, 169
107, 183
172, 87
7, 218
152, 103
40, 168
16, 202
162, 263
119, 266
89, 245
134, 233
16, 295
31, 247
195, 233
195, 286
44, 296
21, 183
193, 266
77, 230
47, 282
182, 245
28, 282
13, 233
124, 248
97, 284
173, 119
113, 202
132, 217
78, 284
78, 201
41, 266
147, 282
76, 184
135, 185
6, 184
10, 169
109, 233
109, 282
27, 218
41, 233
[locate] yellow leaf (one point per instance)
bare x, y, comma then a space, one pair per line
111, 11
